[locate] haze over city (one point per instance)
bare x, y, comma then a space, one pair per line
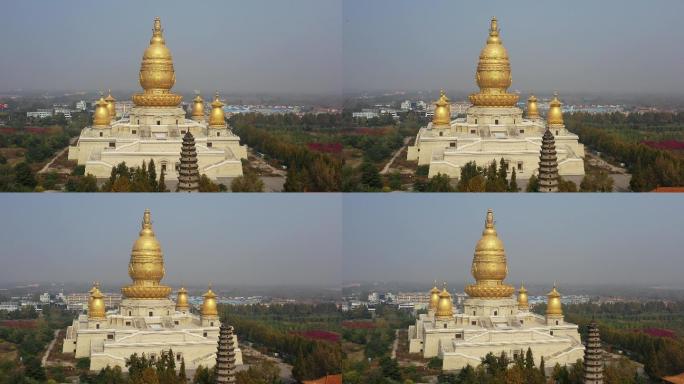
252, 240
580, 46
580, 240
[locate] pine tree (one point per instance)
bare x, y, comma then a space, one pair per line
513, 186
152, 175
161, 186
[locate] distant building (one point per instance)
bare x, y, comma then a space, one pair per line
40, 113
45, 298
365, 114
406, 105
79, 301
81, 105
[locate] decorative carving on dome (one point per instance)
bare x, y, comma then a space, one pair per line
157, 100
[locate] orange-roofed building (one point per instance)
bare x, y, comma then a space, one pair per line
669, 189
330, 379
677, 379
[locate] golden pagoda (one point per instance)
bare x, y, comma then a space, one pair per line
101, 118
434, 297
445, 307
555, 114
96, 305
553, 305
531, 112
209, 307
198, 108
489, 266
157, 75
111, 105
218, 117
523, 304
146, 267
493, 73
442, 114
182, 300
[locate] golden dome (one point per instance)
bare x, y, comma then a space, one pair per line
96, 304
146, 267
182, 300
445, 307
157, 75
442, 114
493, 73
209, 305
111, 105
489, 265
434, 297
218, 117
522, 298
101, 118
555, 114
532, 112
198, 108
553, 304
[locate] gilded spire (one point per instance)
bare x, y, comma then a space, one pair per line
489, 266
523, 304
96, 305
209, 305
445, 307
553, 304
532, 112
101, 118
198, 108
157, 75
434, 297
442, 115
146, 267
218, 117
494, 73
111, 105
182, 300
555, 114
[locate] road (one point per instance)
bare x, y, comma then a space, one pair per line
387, 166
49, 164
395, 344
285, 369
43, 361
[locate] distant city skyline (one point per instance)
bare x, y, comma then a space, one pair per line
224, 240
609, 46
573, 239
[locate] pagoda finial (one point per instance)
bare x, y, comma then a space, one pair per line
494, 27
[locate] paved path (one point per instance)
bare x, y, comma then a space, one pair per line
49, 164
43, 362
389, 163
395, 344
285, 369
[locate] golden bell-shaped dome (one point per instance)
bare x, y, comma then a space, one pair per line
494, 73
218, 116
146, 267
96, 304
445, 306
434, 297
182, 300
101, 118
157, 75
531, 112
209, 307
523, 304
555, 114
489, 266
553, 303
198, 108
442, 114
111, 105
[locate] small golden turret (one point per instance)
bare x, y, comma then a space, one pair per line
96, 304
553, 304
523, 304
434, 297
209, 307
111, 105
494, 73
146, 267
182, 300
489, 266
218, 117
445, 307
101, 118
198, 108
532, 112
555, 114
442, 114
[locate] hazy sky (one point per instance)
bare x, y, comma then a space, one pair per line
575, 239
253, 240
289, 46
572, 46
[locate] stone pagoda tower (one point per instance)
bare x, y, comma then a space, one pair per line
593, 356
548, 164
188, 174
225, 355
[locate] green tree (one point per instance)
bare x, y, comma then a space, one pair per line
24, 176
250, 182
370, 178
439, 183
